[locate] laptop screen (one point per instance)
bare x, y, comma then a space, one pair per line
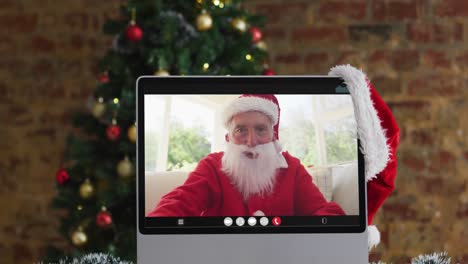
221, 155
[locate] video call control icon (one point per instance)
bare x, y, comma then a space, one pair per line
240, 221
264, 221
276, 221
252, 221
228, 221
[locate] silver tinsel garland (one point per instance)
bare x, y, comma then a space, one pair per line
101, 258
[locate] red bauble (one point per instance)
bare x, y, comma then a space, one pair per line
113, 132
256, 34
103, 219
103, 78
62, 176
268, 72
134, 33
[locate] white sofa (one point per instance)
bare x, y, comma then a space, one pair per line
337, 183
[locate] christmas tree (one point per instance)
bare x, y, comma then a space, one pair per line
96, 180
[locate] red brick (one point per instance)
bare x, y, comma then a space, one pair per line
4, 4
278, 12
42, 44
77, 41
429, 184
18, 23
437, 33
405, 59
401, 210
21, 252
379, 56
442, 161
404, 111
414, 162
451, 8
289, 58
7, 45
320, 34
333, 10
387, 86
462, 59
396, 10
42, 68
316, 57
435, 84
422, 137
274, 33
82, 21
436, 59
349, 57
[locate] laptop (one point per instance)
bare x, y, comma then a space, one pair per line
191, 208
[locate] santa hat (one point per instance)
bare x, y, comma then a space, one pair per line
379, 136
264, 103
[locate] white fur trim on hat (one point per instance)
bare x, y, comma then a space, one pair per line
372, 135
373, 236
251, 103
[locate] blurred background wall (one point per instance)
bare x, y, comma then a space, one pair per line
415, 52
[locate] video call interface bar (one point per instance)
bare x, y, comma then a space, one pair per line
252, 221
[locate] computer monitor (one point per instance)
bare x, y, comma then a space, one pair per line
202, 196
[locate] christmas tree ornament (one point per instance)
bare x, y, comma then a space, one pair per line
161, 72
204, 21
103, 77
62, 176
268, 72
132, 133
261, 45
79, 237
86, 189
133, 32
99, 108
103, 218
256, 34
125, 168
113, 131
239, 24
248, 57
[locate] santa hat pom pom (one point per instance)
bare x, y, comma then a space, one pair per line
373, 238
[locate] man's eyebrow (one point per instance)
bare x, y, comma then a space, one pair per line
240, 126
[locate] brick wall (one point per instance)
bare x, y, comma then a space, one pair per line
415, 52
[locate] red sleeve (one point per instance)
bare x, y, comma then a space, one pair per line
379, 188
191, 198
308, 198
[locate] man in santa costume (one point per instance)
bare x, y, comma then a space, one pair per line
254, 177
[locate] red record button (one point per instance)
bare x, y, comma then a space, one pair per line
276, 221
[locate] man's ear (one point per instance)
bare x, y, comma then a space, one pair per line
226, 137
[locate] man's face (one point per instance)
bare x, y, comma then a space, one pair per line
251, 129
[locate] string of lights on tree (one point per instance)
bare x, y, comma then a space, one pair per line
96, 180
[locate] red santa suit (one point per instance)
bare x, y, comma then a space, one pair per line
208, 191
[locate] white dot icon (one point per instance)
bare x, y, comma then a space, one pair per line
228, 221
240, 221
252, 221
264, 221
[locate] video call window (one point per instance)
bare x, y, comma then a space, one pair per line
180, 130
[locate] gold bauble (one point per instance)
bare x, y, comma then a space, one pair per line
98, 109
239, 24
132, 133
161, 72
125, 168
204, 21
86, 189
261, 45
79, 238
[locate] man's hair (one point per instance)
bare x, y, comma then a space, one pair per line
230, 124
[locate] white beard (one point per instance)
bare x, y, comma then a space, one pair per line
253, 176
